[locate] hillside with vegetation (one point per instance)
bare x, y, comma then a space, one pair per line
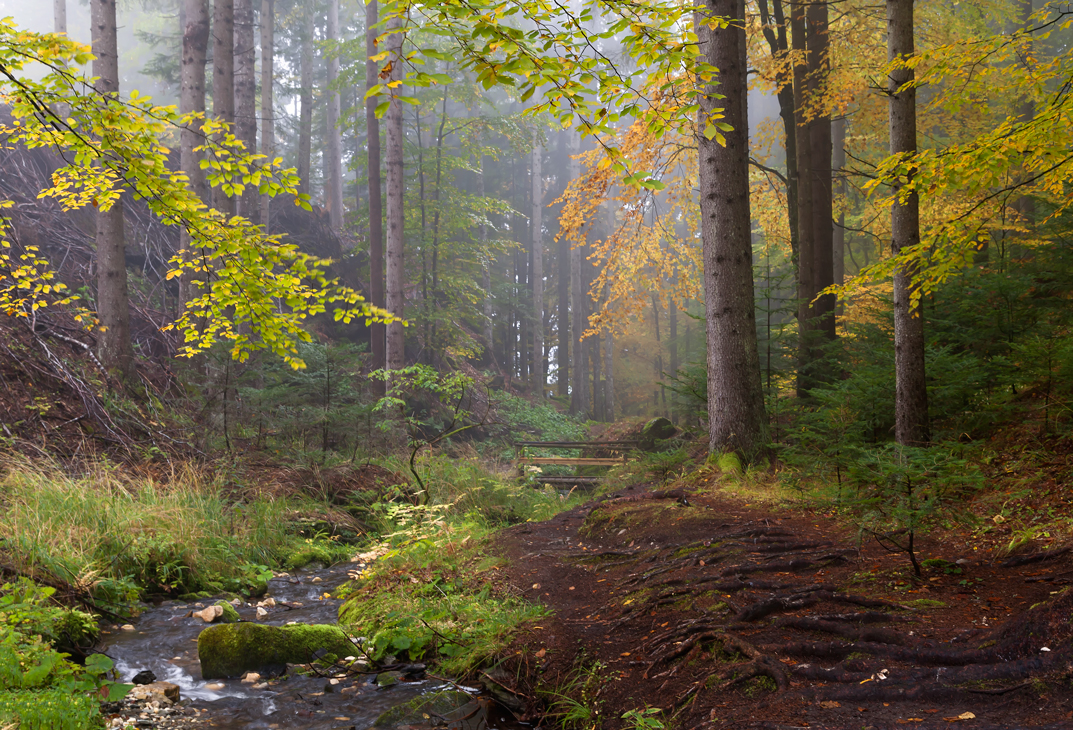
596, 366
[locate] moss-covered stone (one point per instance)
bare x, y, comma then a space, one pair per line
386, 679
655, 430
198, 596
230, 650
418, 710
230, 615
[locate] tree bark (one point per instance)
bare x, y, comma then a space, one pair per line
609, 376
562, 378
579, 397
223, 81
486, 271
334, 194
911, 393
113, 305
537, 230
192, 100
774, 28
820, 142
806, 232
394, 351
59, 13
268, 115
305, 100
735, 398
376, 211
246, 98
838, 163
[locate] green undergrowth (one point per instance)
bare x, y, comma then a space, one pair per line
120, 538
39, 687
432, 593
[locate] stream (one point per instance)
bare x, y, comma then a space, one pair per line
164, 641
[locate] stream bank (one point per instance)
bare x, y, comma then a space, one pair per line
163, 640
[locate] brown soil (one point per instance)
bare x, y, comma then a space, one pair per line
725, 614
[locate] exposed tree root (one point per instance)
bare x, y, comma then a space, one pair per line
787, 565
945, 676
874, 634
1035, 557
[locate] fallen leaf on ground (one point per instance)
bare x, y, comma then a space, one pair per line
830, 704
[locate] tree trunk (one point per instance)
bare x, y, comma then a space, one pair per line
436, 298
735, 398
268, 114
838, 163
192, 99
334, 150
305, 98
911, 393
223, 81
59, 13
598, 392
820, 143
806, 232
562, 377
113, 305
774, 28
376, 211
486, 271
672, 344
246, 98
537, 229
394, 351
609, 376
660, 393
579, 398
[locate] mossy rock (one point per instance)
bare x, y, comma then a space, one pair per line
230, 615
231, 650
658, 429
418, 710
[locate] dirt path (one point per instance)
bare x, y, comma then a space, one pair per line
729, 615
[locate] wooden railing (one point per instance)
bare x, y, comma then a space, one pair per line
524, 459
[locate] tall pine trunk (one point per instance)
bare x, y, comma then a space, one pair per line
773, 23
822, 192
838, 163
806, 232
609, 376
334, 147
394, 351
376, 210
537, 229
113, 305
268, 112
246, 98
735, 397
579, 397
192, 99
911, 393
223, 81
486, 271
305, 100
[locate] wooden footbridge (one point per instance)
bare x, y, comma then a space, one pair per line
622, 452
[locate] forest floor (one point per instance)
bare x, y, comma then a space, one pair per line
726, 613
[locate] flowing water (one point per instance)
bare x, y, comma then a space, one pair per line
165, 642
